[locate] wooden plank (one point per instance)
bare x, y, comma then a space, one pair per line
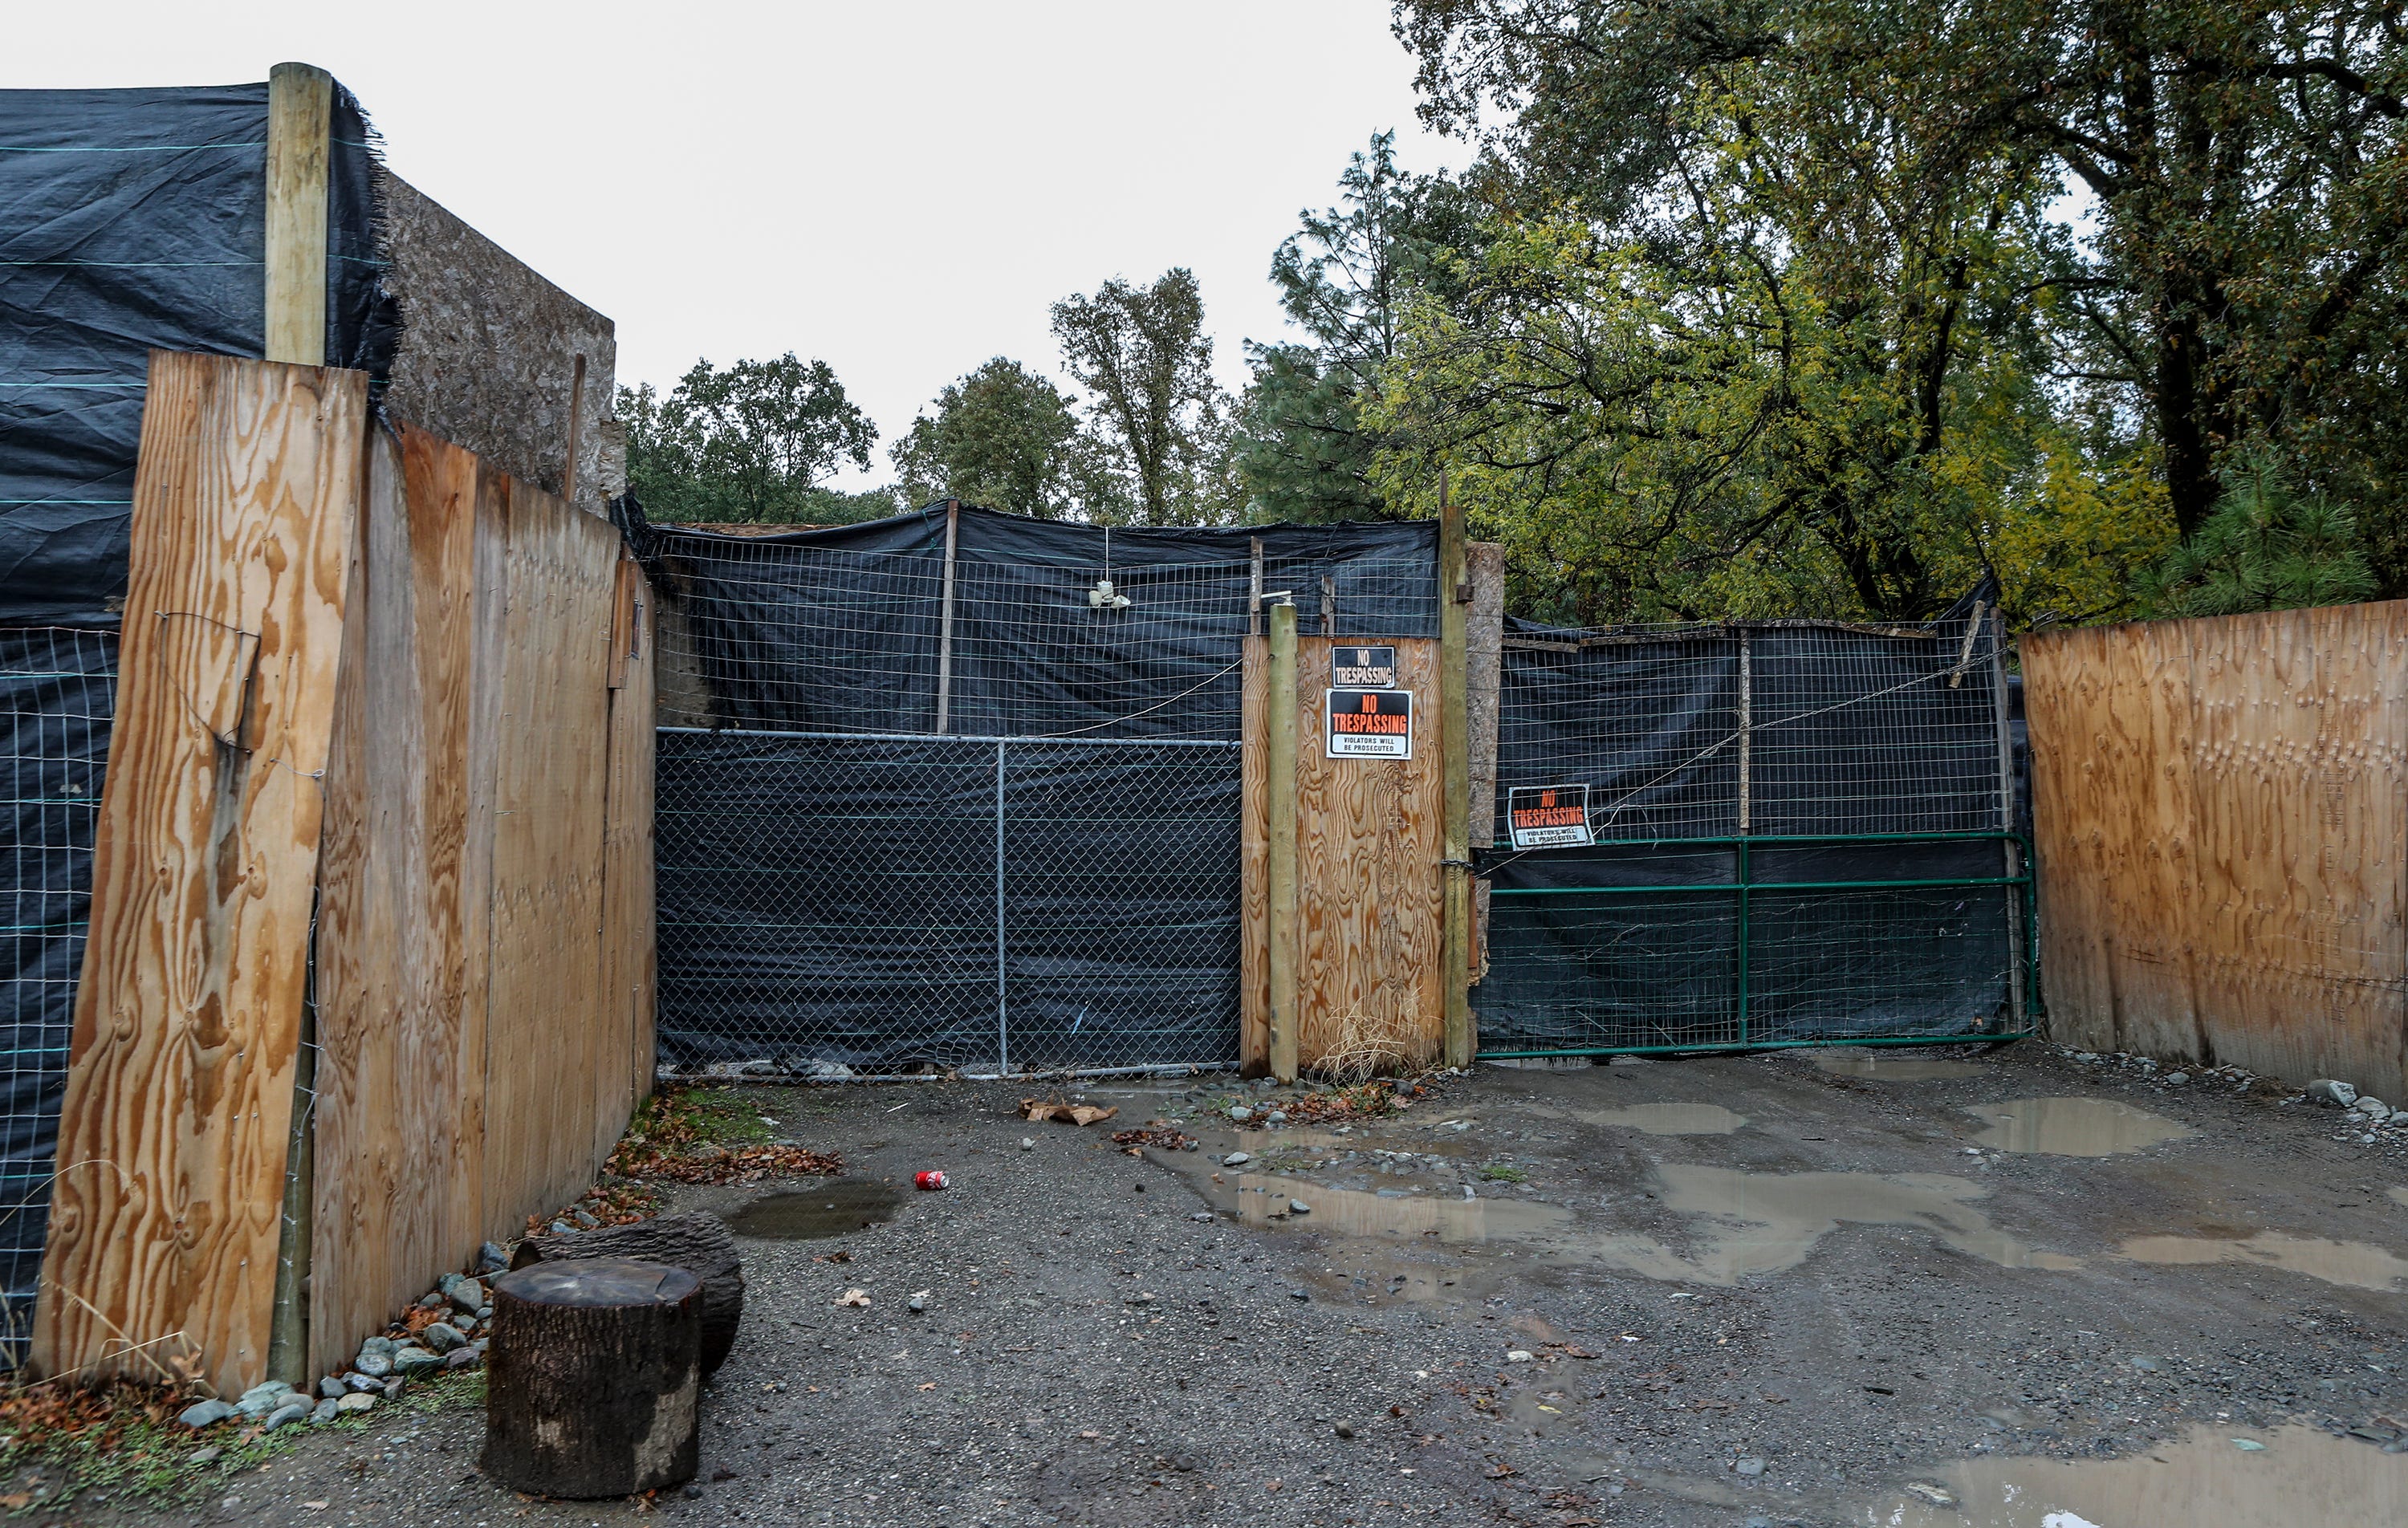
2222, 832
397, 1186
542, 1041
172, 1138
1369, 898
1254, 865
624, 1074
300, 121
1282, 873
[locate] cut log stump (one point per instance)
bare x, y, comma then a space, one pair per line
593, 1378
700, 1244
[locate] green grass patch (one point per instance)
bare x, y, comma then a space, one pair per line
1504, 1175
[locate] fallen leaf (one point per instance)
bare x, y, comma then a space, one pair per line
1091, 1433
1077, 1114
17, 1499
853, 1297
930, 1385
315, 1507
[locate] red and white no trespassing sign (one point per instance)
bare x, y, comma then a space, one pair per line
1371, 725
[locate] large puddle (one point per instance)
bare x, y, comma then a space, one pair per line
1765, 1222
831, 1208
2351, 1262
2296, 1476
2075, 1127
1262, 1199
1881, 1068
1670, 1119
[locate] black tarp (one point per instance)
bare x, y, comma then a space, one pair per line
839, 630
130, 219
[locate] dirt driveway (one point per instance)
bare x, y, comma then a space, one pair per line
1785, 1288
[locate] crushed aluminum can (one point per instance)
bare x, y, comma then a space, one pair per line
929, 1180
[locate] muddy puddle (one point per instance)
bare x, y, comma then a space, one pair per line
2295, 1476
2354, 1263
1669, 1118
2075, 1127
1260, 1199
1879, 1068
1767, 1222
831, 1208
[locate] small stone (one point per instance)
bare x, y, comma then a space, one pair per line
1342, 1429
394, 1387
693, 1493
2177, 1078
294, 1410
465, 1294
1028, 1143
584, 1220
202, 1414
1137, 1299
561, 1228
1750, 1466
1240, 1113
2324, 1090
375, 1366
1276, 1116
491, 1259
410, 1362
2373, 1109
1203, 1215
356, 1382
326, 1411
433, 1300
917, 1302
379, 1345
1520, 1355
332, 1387
1298, 1295
1936, 1495
259, 1400
1236, 1159
355, 1404
460, 1358
2146, 1365
442, 1337
203, 1456
1297, 1206
485, 1313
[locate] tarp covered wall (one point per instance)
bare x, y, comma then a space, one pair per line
134, 220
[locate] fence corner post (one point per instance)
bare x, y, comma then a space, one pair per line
1280, 702
300, 125
1455, 744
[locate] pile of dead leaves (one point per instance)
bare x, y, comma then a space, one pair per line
1377, 1097
1055, 1108
741, 1165
688, 1135
51, 1410
1156, 1134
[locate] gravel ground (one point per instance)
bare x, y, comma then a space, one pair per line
1830, 1293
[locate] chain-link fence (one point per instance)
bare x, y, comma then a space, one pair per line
994, 904
1786, 832
58, 689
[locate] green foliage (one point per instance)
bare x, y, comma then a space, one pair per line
2264, 546
1159, 426
1001, 436
747, 444
1786, 311
1303, 452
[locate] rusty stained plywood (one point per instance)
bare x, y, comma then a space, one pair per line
2222, 809
173, 1135
1369, 892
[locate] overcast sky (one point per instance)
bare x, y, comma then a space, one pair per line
899, 189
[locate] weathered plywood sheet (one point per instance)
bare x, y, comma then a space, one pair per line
173, 1135
1368, 842
624, 1016
2223, 839
401, 1071
544, 1034
1254, 868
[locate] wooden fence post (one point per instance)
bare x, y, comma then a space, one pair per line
300, 120
1279, 732
1454, 742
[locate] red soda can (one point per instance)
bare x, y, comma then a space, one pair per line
931, 1181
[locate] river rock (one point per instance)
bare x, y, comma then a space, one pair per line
2324, 1090
202, 1414
442, 1337
413, 1361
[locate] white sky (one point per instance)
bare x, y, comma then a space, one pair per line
902, 190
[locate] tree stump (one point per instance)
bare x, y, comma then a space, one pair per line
592, 1383
700, 1244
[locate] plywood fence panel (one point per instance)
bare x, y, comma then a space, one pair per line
397, 1173
1368, 842
173, 1135
543, 1037
625, 1014
2223, 838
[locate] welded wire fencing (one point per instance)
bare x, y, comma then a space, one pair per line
58, 689
1772, 833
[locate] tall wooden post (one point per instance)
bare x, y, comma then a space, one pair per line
1454, 742
300, 120
1279, 770
945, 621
